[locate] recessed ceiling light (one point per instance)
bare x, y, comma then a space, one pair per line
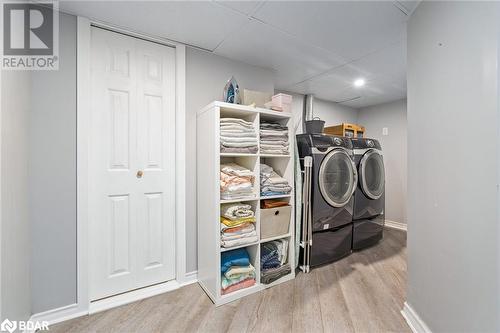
359, 82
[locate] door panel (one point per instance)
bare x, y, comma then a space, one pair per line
119, 111
131, 187
154, 218
154, 117
156, 147
119, 228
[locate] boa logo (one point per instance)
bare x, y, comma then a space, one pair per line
8, 326
32, 326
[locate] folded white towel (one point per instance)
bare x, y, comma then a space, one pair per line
238, 144
274, 145
237, 134
252, 140
239, 241
234, 211
235, 121
229, 237
235, 170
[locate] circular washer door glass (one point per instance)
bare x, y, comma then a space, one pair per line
372, 175
337, 179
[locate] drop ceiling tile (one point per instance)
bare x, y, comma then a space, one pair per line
244, 7
202, 24
363, 102
389, 62
408, 5
351, 29
264, 46
377, 93
337, 86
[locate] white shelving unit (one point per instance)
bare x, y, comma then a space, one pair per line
209, 159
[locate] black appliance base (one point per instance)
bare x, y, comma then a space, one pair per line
367, 233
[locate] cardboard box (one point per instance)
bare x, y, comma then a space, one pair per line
258, 98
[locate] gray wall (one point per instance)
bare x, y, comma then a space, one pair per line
206, 75
332, 113
15, 232
52, 177
392, 116
453, 257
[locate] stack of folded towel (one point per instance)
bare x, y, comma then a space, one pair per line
273, 259
237, 136
236, 271
237, 225
272, 203
271, 183
235, 181
273, 139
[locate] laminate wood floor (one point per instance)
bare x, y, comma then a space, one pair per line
363, 292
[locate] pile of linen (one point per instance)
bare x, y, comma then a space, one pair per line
271, 183
235, 181
236, 271
274, 139
237, 136
237, 225
273, 259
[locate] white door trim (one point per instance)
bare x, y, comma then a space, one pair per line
83, 113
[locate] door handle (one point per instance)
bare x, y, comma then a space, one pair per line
139, 174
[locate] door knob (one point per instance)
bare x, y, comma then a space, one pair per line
139, 174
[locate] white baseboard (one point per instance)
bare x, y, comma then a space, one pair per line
72, 311
416, 324
191, 277
58, 315
132, 296
395, 225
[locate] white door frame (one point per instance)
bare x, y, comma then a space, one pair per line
83, 112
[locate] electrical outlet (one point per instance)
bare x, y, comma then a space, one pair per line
385, 131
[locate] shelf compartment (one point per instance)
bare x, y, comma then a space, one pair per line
250, 163
255, 208
254, 256
290, 248
284, 168
283, 122
275, 221
228, 110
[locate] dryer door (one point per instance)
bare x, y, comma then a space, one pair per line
337, 178
372, 174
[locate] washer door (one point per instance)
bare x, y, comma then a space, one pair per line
337, 178
372, 174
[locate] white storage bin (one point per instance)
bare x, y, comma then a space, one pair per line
283, 101
274, 221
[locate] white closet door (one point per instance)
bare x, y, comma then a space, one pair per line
132, 184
